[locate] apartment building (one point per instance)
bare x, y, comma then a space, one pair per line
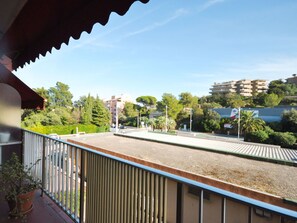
259, 86
243, 87
292, 80
116, 104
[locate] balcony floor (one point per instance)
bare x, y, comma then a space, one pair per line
44, 210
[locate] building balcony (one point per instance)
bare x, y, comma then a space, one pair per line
44, 208
91, 186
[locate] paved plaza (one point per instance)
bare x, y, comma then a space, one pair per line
222, 145
262, 176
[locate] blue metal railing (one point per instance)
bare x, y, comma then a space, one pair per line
131, 175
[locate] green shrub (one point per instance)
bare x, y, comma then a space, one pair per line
284, 139
259, 136
268, 130
68, 129
276, 126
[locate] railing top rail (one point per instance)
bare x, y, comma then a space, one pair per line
212, 189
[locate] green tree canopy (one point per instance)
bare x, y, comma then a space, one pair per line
187, 100
235, 100
87, 104
60, 95
271, 100
173, 105
249, 123
100, 115
45, 94
130, 110
289, 120
281, 88
148, 103
210, 120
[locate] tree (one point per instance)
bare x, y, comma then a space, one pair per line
207, 105
258, 100
210, 120
147, 101
152, 122
216, 98
281, 88
87, 104
60, 95
45, 94
197, 118
100, 115
52, 119
34, 119
130, 110
183, 118
173, 105
160, 123
249, 123
187, 100
148, 104
235, 101
271, 100
289, 120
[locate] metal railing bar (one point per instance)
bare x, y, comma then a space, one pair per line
201, 206
67, 178
43, 167
179, 202
161, 199
63, 174
250, 215
156, 199
76, 184
82, 187
224, 210
59, 173
71, 179
152, 197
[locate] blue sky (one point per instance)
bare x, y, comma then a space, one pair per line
175, 46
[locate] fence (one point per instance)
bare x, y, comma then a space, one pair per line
95, 187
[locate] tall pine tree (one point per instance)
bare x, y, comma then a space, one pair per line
100, 115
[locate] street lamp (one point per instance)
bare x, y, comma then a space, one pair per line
191, 115
138, 119
117, 115
238, 132
166, 119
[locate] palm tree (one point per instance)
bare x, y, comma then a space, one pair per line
249, 123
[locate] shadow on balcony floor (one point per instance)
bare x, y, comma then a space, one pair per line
44, 210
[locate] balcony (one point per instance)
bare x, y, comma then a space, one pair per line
44, 208
90, 186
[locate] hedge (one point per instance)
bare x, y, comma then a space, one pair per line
68, 129
284, 139
259, 137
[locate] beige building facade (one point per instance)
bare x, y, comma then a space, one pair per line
243, 87
116, 104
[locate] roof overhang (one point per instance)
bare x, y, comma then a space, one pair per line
32, 28
30, 99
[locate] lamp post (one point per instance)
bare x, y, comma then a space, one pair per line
238, 133
117, 118
137, 120
117, 115
166, 119
191, 115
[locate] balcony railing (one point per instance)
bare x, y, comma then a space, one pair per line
95, 187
